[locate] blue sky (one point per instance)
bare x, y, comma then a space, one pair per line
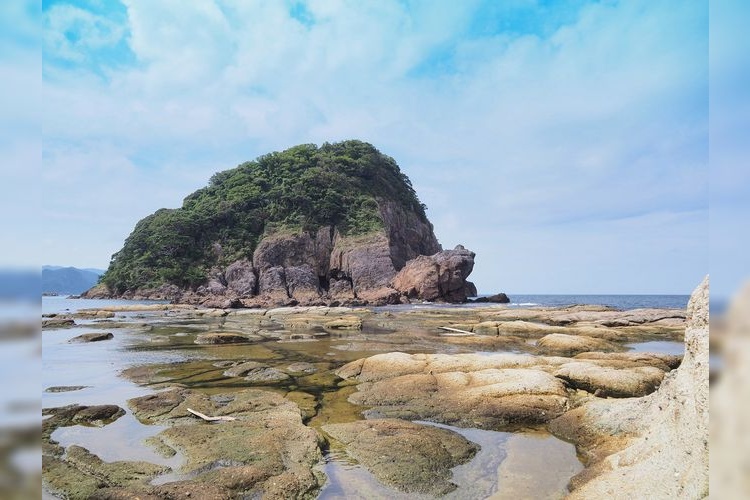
565, 142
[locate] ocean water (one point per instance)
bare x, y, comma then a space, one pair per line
624, 302
64, 304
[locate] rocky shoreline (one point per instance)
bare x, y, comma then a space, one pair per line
637, 419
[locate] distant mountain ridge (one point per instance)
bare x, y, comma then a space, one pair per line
68, 280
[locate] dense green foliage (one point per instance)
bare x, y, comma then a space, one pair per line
302, 188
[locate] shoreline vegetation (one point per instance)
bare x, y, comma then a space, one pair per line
300, 382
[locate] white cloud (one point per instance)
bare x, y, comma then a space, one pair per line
71, 33
603, 119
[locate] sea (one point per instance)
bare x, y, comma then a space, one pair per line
623, 302
63, 304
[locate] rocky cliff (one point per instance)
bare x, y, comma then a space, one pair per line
335, 224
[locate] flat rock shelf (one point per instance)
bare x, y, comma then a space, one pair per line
342, 402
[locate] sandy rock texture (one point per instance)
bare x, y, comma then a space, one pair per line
655, 446
465, 390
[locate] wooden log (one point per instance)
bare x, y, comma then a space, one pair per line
462, 333
226, 418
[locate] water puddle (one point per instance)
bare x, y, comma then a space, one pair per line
658, 347
531, 464
512, 465
123, 439
347, 479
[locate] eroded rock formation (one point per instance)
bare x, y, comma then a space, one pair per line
650, 447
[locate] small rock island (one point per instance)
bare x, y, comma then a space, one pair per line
338, 224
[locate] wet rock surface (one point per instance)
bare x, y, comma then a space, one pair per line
65, 388
607, 381
492, 392
223, 338
569, 345
410, 457
91, 337
321, 367
58, 322
266, 449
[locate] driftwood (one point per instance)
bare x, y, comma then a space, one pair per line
226, 418
458, 333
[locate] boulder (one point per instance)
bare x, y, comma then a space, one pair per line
267, 375
441, 276
665, 362
410, 457
242, 369
301, 368
257, 373
65, 388
213, 287
93, 314
499, 298
91, 337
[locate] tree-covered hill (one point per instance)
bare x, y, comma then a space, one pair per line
302, 188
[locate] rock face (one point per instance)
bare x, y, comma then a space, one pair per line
360, 237
655, 446
323, 267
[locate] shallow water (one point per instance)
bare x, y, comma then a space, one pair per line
658, 347
507, 462
123, 439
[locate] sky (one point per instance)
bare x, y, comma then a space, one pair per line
565, 142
